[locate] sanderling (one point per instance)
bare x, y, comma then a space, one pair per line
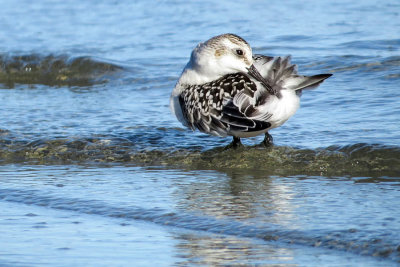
225, 90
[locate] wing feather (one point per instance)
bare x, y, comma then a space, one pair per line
222, 106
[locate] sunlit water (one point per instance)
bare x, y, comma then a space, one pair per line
96, 171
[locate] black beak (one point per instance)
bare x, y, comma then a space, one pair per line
253, 72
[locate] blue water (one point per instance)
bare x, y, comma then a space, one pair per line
96, 171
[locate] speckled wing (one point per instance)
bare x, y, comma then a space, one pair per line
223, 106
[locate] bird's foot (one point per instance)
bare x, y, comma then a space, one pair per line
235, 143
268, 140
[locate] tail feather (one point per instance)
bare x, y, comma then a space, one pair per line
306, 82
280, 73
275, 69
289, 71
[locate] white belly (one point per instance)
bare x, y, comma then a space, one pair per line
282, 108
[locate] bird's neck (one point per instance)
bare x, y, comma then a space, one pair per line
191, 76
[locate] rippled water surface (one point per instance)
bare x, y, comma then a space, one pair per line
95, 170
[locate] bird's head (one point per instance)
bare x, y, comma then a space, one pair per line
220, 55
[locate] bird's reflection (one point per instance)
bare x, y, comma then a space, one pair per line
238, 195
252, 198
215, 250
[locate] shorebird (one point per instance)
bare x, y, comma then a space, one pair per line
225, 90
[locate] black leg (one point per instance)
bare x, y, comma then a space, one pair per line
235, 143
268, 140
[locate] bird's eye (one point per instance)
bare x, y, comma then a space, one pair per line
239, 52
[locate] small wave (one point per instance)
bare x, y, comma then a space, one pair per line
384, 67
350, 240
356, 160
370, 65
53, 70
390, 44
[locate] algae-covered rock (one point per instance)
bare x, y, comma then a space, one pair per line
53, 70
359, 159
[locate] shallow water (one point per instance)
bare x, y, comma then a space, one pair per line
96, 171
196, 217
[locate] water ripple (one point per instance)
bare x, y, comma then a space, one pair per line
343, 240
